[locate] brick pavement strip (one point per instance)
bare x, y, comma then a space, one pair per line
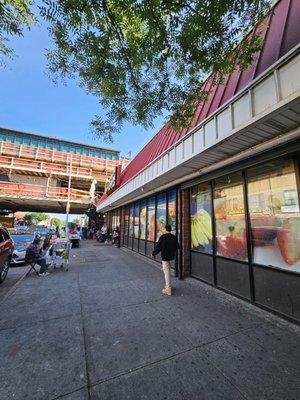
103, 330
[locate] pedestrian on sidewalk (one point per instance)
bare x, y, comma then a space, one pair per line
33, 254
168, 246
104, 233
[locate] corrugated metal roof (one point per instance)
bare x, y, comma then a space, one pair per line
280, 32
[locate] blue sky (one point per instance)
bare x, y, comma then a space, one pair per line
30, 101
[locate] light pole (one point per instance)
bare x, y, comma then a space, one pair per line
69, 197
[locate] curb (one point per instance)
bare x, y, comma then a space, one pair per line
14, 287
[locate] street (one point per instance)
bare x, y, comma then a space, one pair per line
103, 330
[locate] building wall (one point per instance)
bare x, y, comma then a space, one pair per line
239, 231
141, 223
245, 233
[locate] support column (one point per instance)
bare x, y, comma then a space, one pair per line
185, 233
48, 184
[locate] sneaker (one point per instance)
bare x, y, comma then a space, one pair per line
44, 274
167, 291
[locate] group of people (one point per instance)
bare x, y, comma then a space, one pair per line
167, 245
104, 236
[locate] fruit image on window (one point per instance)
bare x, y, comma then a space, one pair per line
201, 222
231, 239
136, 220
151, 219
233, 245
274, 215
161, 217
143, 220
288, 239
126, 221
172, 210
131, 216
201, 232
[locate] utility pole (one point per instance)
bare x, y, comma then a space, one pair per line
69, 197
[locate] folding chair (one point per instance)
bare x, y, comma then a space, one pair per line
32, 264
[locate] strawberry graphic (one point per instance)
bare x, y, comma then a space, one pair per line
232, 246
288, 238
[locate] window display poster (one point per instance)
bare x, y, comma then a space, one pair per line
231, 238
201, 221
136, 220
131, 216
126, 221
143, 211
151, 219
160, 215
172, 210
274, 214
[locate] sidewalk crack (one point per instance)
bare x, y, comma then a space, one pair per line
84, 340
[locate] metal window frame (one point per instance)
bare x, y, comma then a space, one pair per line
295, 156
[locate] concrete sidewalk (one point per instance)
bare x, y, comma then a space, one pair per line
13, 276
103, 330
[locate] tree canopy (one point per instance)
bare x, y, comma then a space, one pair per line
34, 217
57, 222
15, 15
143, 58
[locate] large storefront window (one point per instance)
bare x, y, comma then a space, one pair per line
274, 214
160, 215
231, 239
136, 220
131, 215
151, 219
201, 220
143, 211
126, 221
115, 222
172, 210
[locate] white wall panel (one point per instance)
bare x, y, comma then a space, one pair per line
210, 133
166, 162
179, 152
188, 147
224, 123
264, 95
198, 140
172, 158
241, 110
159, 166
289, 77
150, 172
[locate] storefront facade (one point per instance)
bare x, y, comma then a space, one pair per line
232, 179
242, 233
144, 221
245, 232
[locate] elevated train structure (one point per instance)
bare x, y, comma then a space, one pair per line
35, 171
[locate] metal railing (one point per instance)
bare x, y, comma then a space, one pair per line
43, 154
23, 190
43, 167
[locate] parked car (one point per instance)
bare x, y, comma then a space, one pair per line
6, 251
21, 242
22, 228
41, 230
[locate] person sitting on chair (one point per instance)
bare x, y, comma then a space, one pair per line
47, 240
33, 255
